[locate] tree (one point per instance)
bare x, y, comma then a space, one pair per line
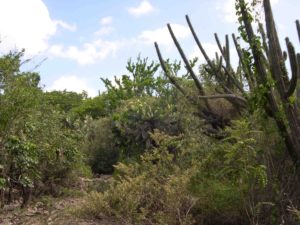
35, 145
65, 100
141, 81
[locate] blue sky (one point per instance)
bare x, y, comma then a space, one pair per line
83, 40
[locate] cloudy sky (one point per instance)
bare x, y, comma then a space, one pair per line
83, 40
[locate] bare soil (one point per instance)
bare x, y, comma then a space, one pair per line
51, 211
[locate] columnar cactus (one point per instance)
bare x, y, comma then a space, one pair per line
268, 73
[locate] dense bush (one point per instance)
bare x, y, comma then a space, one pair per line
181, 149
38, 148
100, 147
131, 109
153, 191
136, 118
200, 182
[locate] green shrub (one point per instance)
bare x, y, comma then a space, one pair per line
229, 176
153, 191
135, 119
186, 178
100, 146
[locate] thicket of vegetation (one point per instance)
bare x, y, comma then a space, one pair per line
216, 145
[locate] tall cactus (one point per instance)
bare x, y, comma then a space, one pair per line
284, 87
269, 64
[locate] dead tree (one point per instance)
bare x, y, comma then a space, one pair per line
238, 87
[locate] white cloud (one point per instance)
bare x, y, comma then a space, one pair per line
88, 53
106, 30
93, 51
67, 26
72, 83
162, 35
106, 27
106, 21
228, 9
143, 8
274, 2
27, 24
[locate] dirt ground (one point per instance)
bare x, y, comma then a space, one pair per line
49, 211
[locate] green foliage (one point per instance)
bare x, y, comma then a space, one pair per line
242, 157
129, 110
229, 175
65, 100
258, 97
166, 171
185, 177
295, 212
252, 15
100, 147
141, 81
92, 107
2, 183
136, 119
178, 176
217, 199
21, 161
153, 191
39, 141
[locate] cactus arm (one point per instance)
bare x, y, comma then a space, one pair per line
246, 69
186, 62
209, 62
277, 66
294, 69
170, 76
227, 52
225, 96
264, 39
298, 28
219, 45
